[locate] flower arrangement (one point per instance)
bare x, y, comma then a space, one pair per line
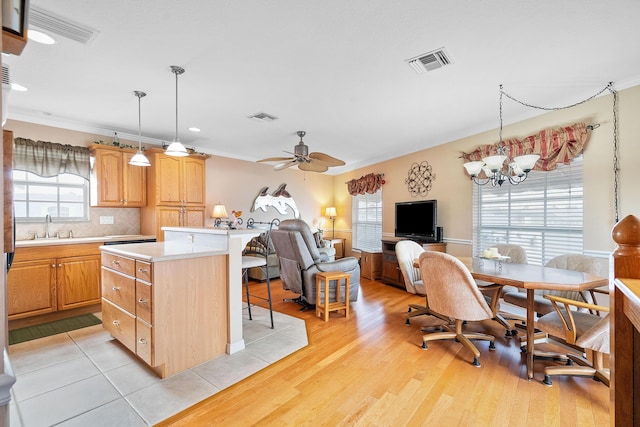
236, 220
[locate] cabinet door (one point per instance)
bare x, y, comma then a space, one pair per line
31, 288
169, 180
193, 217
194, 181
78, 281
107, 174
167, 216
134, 184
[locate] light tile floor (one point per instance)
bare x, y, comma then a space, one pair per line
86, 378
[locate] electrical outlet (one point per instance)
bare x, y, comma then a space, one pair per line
106, 220
190, 238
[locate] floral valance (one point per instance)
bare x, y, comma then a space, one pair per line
365, 184
553, 145
48, 159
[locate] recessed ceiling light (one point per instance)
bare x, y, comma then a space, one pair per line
18, 87
192, 129
40, 37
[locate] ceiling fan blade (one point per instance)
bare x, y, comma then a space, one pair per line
275, 159
313, 167
326, 159
285, 165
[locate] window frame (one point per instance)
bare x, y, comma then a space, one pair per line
371, 224
545, 213
83, 185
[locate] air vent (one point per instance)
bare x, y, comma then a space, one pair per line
263, 117
429, 61
6, 80
57, 24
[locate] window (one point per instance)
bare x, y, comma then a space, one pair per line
64, 197
367, 221
544, 214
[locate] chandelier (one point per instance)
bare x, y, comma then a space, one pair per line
500, 168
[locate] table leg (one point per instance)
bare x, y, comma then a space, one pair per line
530, 333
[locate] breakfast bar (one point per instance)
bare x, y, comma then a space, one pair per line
177, 303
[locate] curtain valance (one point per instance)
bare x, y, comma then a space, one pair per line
365, 184
48, 159
553, 145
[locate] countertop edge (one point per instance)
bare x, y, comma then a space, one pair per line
162, 251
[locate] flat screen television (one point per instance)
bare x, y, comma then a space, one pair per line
417, 220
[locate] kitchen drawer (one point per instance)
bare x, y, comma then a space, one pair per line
144, 271
143, 302
144, 348
120, 324
119, 289
119, 263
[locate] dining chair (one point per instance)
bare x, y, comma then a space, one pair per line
582, 330
454, 293
259, 259
517, 255
407, 251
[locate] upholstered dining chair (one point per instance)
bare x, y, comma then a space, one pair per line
580, 329
575, 262
454, 293
517, 255
407, 251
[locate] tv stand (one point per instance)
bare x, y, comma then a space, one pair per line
391, 274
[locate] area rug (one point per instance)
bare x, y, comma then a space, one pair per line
52, 328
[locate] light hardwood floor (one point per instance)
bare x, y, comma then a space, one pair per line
370, 370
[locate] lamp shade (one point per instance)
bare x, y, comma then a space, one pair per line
219, 211
331, 212
473, 168
139, 159
494, 163
526, 162
176, 149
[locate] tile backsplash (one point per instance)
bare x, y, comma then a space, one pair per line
125, 221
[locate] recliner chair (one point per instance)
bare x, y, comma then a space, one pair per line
300, 260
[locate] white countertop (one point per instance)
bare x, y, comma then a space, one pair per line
78, 240
214, 230
162, 251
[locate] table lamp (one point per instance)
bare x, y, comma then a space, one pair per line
219, 212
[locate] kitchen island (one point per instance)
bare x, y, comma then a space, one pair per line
177, 303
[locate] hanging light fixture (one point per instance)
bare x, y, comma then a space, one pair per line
176, 148
139, 159
496, 172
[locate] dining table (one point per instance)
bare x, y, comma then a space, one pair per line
531, 278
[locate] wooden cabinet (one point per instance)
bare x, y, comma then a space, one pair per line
371, 265
391, 273
114, 182
46, 279
180, 181
127, 303
172, 314
176, 193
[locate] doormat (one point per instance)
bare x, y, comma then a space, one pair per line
52, 328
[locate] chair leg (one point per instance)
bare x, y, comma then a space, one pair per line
245, 273
269, 296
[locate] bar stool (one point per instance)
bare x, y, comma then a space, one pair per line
250, 262
322, 302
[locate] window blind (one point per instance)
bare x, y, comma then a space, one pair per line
367, 221
544, 214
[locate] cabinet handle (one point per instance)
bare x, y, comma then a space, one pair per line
116, 323
116, 289
59, 265
115, 262
53, 266
142, 301
142, 341
143, 270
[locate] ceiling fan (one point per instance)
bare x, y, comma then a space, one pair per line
313, 162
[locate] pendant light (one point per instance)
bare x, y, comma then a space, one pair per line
176, 148
139, 159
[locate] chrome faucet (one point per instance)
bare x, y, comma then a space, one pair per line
47, 220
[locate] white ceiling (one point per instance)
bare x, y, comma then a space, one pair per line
333, 68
